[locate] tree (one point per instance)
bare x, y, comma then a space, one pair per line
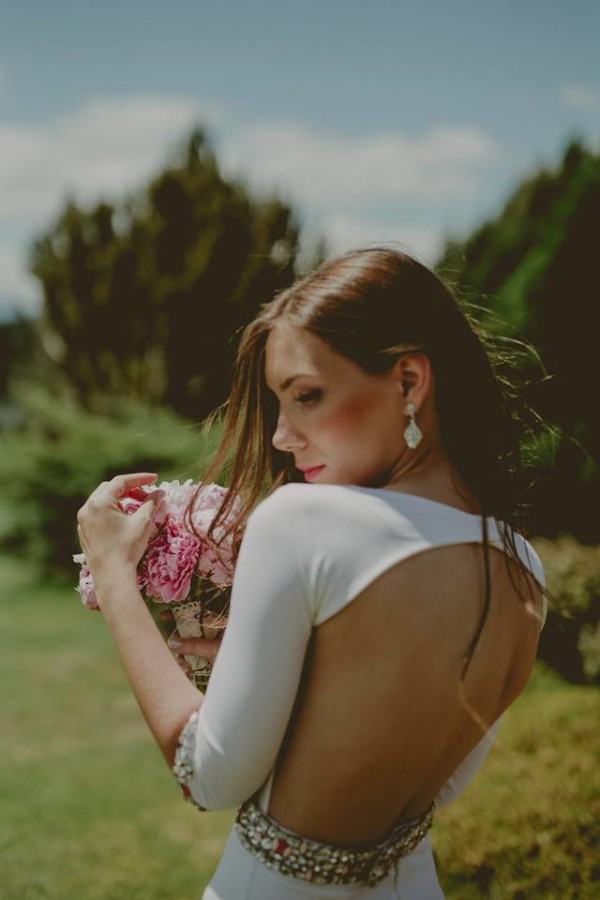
534, 270
147, 297
17, 344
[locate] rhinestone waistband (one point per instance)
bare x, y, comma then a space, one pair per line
309, 860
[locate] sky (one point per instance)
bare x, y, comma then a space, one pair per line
381, 121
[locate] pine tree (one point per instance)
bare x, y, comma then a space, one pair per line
146, 298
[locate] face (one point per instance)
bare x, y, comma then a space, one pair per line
332, 415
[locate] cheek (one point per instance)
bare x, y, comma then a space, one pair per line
350, 416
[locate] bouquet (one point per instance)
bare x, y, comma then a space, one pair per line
181, 568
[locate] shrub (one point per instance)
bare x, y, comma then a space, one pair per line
50, 465
570, 641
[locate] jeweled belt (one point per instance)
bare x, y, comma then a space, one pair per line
309, 860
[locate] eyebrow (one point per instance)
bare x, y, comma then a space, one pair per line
285, 384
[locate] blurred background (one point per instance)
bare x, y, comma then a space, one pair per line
164, 170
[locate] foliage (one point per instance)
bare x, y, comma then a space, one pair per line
528, 826
145, 298
51, 465
86, 793
533, 270
570, 640
17, 341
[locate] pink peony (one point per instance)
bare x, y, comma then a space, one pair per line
130, 505
85, 588
169, 564
213, 568
218, 565
175, 553
178, 497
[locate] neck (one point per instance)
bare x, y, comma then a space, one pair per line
429, 473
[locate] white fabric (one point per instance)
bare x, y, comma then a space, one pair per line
241, 876
307, 552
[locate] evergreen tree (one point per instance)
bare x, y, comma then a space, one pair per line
533, 268
147, 297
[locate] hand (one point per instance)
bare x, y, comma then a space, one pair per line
110, 538
182, 647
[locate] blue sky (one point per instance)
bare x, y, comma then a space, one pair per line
381, 120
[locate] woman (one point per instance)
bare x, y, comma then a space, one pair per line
385, 611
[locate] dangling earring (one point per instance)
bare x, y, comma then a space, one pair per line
413, 434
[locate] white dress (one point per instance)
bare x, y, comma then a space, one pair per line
308, 551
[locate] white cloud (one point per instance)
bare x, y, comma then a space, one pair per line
580, 96
323, 169
345, 232
18, 289
111, 146
107, 148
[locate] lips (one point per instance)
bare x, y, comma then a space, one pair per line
309, 473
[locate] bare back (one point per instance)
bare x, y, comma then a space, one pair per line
378, 725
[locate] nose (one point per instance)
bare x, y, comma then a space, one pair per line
285, 438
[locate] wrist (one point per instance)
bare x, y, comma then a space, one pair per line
114, 574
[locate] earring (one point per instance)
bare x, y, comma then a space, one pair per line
413, 434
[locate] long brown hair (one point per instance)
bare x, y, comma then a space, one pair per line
364, 305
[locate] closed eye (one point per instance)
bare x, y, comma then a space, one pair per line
308, 397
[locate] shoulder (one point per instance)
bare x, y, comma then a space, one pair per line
278, 518
334, 523
337, 506
316, 519
326, 503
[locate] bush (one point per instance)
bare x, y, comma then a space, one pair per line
50, 465
570, 641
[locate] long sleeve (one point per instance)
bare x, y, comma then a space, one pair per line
233, 742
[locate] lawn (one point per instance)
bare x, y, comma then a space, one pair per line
90, 811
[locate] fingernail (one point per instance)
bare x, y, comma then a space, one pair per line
174, 642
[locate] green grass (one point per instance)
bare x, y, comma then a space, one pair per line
528, 826
90, 811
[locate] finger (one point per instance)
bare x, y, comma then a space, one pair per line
158, 497
195, 647
151, 508
120, 484
133, 479
137, 493
81, 540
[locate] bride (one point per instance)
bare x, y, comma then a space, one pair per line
385, 610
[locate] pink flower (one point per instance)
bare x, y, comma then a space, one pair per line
217, 565
85, 588
213, 568
169, 564
178, 497
130, 505
174, 553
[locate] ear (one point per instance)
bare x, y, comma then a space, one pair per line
413, 375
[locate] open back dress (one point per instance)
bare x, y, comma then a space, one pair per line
307, 552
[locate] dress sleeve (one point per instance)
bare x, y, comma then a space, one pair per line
228, 748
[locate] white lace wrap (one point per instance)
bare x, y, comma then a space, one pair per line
183, 766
